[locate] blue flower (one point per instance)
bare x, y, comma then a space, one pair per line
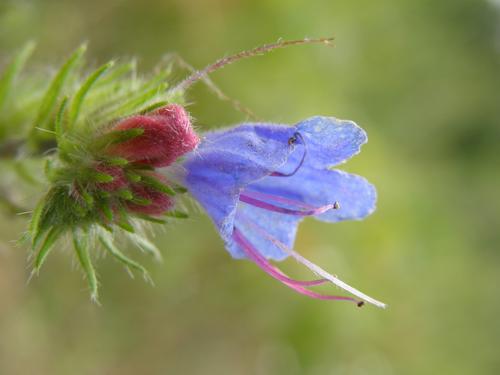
257, 181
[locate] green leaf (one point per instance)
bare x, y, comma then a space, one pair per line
107, 243
13, 70
77, 101
81, 246
52, 94
46, 247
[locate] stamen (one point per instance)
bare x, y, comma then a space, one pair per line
245, 198
297, 285
293, 141
261, 196
316, 269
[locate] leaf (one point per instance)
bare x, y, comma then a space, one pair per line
12, 71
50, 98
81, 246
77, 101
126, 261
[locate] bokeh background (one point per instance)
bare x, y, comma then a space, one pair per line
422, 77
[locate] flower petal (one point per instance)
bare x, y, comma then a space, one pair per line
228, 160
356, 196
329, 141
253, 221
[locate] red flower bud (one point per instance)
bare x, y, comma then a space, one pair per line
167, 135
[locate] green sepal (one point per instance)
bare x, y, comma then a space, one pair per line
81, 246
125, 194
56, 86
116, 137
141, 201
116, 161
153, 107
146, 245
176, 214
100, 177
157, 185
108, 244
12, 71
47, 245
76, 103
151, 219
133, 177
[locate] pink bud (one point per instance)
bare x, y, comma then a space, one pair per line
167, 135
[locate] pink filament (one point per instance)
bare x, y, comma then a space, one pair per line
280, 174
277, 198
297, 285
246, 198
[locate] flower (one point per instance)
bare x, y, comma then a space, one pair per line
257, 181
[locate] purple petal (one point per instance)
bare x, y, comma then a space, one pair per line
253, 222
356, 196
228, 160
329, 141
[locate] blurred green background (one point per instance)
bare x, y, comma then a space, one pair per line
422, 77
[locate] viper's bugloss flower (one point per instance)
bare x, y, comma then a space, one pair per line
167, 135
258, 181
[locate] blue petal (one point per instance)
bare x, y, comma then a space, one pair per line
329, 141
357, 197
226, 161
258, 226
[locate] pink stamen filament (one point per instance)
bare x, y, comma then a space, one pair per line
277, 198
304, 154
296, 285
245, 198
315, 268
